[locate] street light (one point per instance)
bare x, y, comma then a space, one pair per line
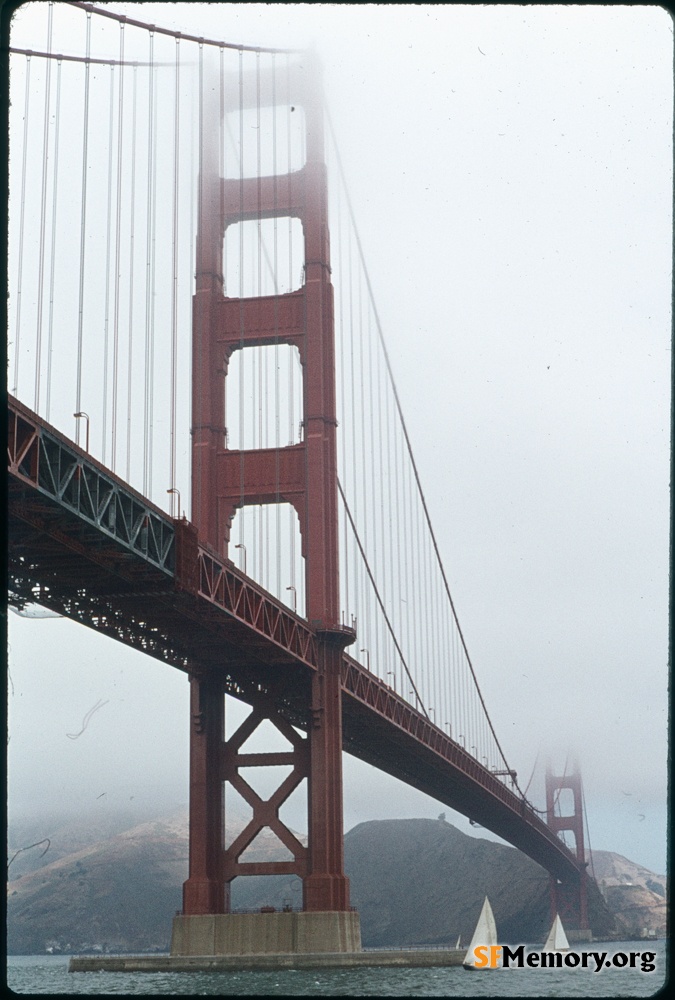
81, 413
177, 493
461, 737
295, 597
367, 652
241, 546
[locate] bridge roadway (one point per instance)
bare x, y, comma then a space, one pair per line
82, 543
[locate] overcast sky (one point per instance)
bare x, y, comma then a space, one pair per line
510, 170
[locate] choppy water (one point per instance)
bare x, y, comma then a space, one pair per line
49, 974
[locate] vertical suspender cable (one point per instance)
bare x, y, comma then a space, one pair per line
194, 190
83, 227
130, 357
118, 245
149, 310
374, 447
277, 397
174, 282
380, 505
362, 454
24, 166
200, 237
221, 217
397, 534
343, 380
261, 353
153, 276
50, 325
43, 214
106, 313
242, 355
291, 369
352, 353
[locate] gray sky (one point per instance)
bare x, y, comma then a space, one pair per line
510, 169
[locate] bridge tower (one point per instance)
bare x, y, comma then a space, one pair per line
304, 475
569, 900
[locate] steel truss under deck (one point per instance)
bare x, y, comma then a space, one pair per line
84, 544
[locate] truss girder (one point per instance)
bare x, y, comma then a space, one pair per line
383, 729
226, 588
64, 473
78, 545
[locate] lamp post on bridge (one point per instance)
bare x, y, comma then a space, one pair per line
176, 492
77, 415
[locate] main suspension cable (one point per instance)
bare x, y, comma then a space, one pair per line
379, 599
409, 445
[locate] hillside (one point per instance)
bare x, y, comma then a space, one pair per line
413, 882
421, 881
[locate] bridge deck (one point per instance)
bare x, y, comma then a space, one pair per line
86, 545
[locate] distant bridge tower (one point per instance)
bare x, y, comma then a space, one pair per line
569, 900
302, 474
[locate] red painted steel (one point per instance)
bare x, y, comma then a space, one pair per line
204, 890
265, 812
211, 620
304, 475
574, 823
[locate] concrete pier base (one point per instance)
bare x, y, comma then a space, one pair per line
415, 959
266, 933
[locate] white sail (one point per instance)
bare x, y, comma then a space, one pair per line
484, 934
557, 939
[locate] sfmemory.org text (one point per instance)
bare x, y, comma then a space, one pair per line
489, 957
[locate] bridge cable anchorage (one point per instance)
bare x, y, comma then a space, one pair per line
377, 593
410, 453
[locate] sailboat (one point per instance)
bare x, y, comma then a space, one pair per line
557, 939
484, 936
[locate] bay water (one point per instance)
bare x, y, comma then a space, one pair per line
48, 974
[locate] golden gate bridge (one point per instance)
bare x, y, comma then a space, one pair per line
207, 455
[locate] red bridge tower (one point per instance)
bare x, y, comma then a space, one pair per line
569, 900
304, 475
